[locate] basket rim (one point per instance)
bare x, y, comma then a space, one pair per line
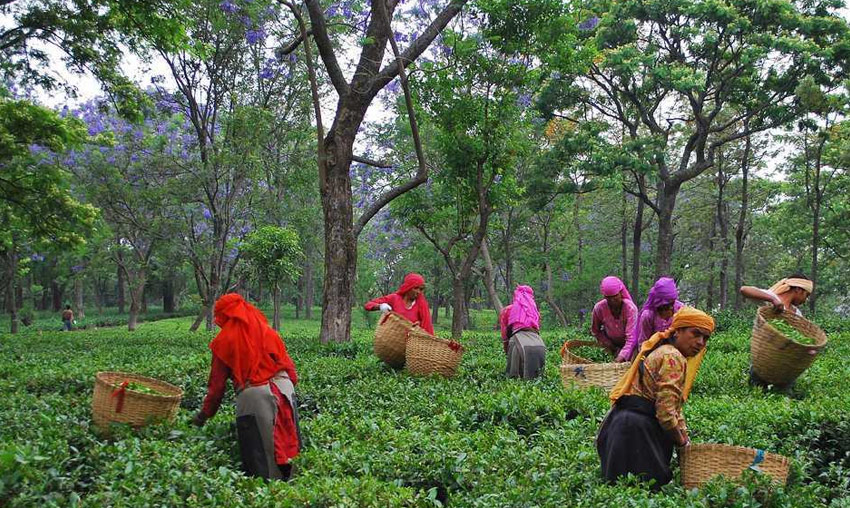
818, 335
573, 343
715, 447
597, 366
100, 378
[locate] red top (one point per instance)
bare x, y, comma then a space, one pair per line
285, 435
416, 313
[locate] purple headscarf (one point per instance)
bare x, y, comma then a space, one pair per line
611, 285
663, 292
524, 313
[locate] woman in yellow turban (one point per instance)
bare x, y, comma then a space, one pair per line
787, 294
645, 421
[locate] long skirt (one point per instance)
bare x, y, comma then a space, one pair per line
632, 441
267, 428
526, 355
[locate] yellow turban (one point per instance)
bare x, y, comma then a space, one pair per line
785, 285
686, 317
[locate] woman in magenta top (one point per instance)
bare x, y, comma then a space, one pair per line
520, 324
408, 301
656, 315
614, 317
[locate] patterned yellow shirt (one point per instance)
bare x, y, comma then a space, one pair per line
662, 382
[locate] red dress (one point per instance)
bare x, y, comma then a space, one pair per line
415, 314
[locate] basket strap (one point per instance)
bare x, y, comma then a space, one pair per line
758, 459
384, 318
119, 393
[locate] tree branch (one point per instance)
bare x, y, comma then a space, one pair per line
326, 50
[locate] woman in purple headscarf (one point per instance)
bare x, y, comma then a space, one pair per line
520, 324
614, 317
656, 315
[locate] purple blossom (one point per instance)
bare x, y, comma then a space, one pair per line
37, 257
228, 7
111, 159
207, 214
523, 100
399, 37
267, 73
394, 86
332, 11
36, 149
589, 24
293, 58
246, 21
254, 36
77, 268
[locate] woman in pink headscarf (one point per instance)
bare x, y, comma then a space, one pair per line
614, 317
656, 315
520, 324
408, 301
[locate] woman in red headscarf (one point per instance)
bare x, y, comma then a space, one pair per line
253, 356
408, 301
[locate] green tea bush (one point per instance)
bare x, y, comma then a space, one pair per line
374, 436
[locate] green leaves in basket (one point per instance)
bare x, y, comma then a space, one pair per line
790, 332
138, 387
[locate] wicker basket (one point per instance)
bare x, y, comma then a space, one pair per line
112, 402
580, 372
427, 354
701, 462
391, 339
777, 359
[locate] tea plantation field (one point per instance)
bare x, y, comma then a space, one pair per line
376, 437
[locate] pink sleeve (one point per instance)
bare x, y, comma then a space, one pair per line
633, 340
631, 321
596, 324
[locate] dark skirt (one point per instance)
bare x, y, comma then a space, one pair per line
632, 441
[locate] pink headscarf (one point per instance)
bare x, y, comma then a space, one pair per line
611, 285
524, 313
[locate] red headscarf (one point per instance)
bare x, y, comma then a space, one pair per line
246, 343
414, 280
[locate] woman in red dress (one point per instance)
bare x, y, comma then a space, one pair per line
408, 301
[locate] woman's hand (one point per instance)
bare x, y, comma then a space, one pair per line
385, 307
199, 419
620, 358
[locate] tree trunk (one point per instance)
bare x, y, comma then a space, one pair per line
57, 296
723, 222
666, 205
435, 310
509, 254
489, 277
168, 295
740, 231
309, 289
709, 303
340, 243
276, 304
199, 319
299, 299
78, 298
550, 296
624, 252
120, 290
577, 226
137, 294
144, 301
637, 234
816, 211
11, 276
458, 311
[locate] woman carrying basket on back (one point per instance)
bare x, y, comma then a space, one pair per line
645, 421
249, 352
787, 294
408, 301
520, 326
614, 317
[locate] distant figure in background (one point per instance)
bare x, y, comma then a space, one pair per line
656, 315
788, 294
67, 318
520, 326
249, 352
646, 422
408, 301
614, 317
